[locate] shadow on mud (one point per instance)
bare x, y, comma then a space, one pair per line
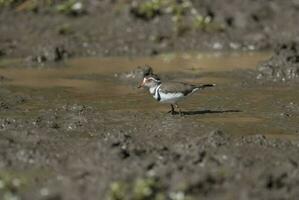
202, 112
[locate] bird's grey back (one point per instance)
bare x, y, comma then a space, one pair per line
175, 87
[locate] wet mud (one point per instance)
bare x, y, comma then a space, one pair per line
135, 28
74, 126
84, 131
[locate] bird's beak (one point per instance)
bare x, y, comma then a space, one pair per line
141, 84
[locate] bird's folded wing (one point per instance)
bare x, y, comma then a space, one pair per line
177, 87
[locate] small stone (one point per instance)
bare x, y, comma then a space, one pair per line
217, 46
16, 182
44, 192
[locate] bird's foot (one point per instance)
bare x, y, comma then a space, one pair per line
176, 113
181, 113
172, 112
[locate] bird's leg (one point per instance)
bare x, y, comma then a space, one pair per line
180, 111
172, 110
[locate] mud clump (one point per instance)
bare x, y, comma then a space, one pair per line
146, 11
217, 138
49, 54
283, 65
2, 53
136, 75
3, 78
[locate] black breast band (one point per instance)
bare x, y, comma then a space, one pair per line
156, 93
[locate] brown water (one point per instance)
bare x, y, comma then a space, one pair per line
189, 63
93, 79
231, 107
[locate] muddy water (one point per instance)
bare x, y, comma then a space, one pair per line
236, 105
94, 80
49, 77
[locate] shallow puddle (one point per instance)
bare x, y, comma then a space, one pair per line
93, 81
72, 75
94, 78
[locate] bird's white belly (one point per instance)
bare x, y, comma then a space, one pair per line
170, 97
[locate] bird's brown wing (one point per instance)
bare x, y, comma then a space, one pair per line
177, 87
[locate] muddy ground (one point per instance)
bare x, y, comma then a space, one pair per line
80, 129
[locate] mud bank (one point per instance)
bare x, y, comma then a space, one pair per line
283, 65
114, 28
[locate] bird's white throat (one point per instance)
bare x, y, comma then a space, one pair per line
154, 89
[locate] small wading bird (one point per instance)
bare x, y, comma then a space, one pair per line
170, 92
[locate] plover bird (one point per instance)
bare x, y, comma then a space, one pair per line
170, 92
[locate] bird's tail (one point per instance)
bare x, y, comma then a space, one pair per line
202, 86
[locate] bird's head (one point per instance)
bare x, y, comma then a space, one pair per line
150, 81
